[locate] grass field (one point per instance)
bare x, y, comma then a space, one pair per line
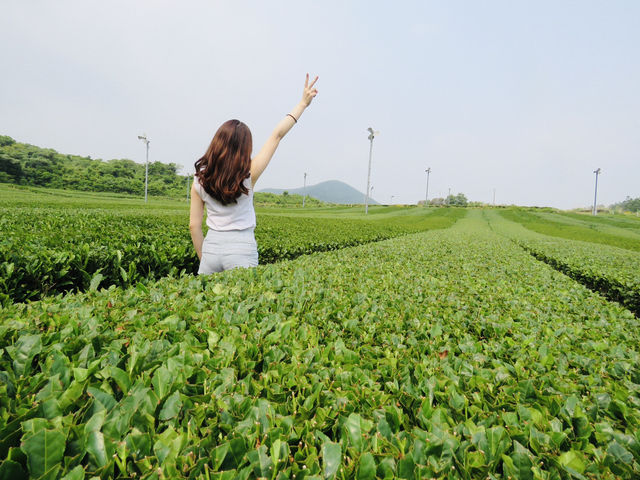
447, 343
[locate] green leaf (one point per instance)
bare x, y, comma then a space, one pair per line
539, 441
44, 451
228, 475
123, 274
219, 454
237, 451
353, 430
581, 427
275, 452
95, 281
50, 409
518, 465
456, 401
558, 439
331, 458
162, 381
138, 444
406, 468
260, 461
23, 352
121, 378
498, 442
94, 424
171, 406
168, 445
212, 340
572, 460
367, 467
475, 460
7, 384
75, 474
386, 468
96, 449
10, 470
103, 397
619, 453
384, 428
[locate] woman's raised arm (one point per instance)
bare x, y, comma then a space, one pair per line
260, 161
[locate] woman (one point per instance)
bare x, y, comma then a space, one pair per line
225, 178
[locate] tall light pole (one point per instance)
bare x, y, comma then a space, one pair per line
595, 197
426, 195
391, 199
143, 137
304, 190
372, 135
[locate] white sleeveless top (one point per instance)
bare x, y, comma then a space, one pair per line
234, 216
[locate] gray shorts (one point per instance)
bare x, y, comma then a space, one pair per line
224, 250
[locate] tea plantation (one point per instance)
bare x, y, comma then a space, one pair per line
461, 350
74, 242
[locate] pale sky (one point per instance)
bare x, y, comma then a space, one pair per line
527, 97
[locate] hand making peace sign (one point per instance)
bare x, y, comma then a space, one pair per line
309, 92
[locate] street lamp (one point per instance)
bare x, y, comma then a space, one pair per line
304, 190
426, 195
391, 199
595, 197
372, 135
143, 137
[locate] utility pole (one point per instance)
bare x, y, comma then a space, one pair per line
372, 135
143, 137
595, 197
426, 195
304, 190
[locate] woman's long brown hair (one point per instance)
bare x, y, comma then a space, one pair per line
227, 162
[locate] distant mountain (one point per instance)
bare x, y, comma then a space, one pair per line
332, 191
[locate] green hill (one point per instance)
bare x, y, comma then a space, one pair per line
332, 191
25, 164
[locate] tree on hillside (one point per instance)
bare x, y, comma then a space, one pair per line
10, 170
40, 171
5, 141
629, 204
459, 200
121, 168
159, 169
